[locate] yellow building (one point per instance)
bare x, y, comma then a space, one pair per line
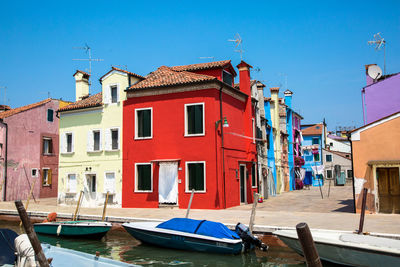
91, 140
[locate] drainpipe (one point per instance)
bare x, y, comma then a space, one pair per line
222, 143
362, 101
352, 170
5, 163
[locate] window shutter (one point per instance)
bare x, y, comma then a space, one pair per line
73, 141
109, 183
107, 137
118, 94
198, 118
146, 123
100, 141
107, 95
49, 177
63, 143
90, 141
43, 177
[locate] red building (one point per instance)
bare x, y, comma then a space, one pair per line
184, 128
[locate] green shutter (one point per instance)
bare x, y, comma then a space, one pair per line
146, 123
140, 123
50, 113
190, 119
198, 119
196, 176
253, 175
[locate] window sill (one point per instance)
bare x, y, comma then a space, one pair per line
46, 185
67, 153
140, 191
112, 150
143, 138
49, 154
189, 192
194, 135
94, 152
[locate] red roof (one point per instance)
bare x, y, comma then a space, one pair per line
316, 129
14, 111
206, 66
124, 71
166, 76
81, 71
91, 101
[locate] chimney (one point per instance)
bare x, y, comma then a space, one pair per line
369, 79
244, 78
288, 98
81, 84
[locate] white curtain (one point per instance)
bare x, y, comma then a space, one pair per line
167, 182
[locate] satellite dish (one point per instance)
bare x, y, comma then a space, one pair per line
374, 72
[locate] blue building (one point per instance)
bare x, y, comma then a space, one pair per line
270, 148
313, 143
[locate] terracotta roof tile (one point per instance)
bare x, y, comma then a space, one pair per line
91, 101
124, 71
81, 71
313, 130
166, 76
14, 111
202, 66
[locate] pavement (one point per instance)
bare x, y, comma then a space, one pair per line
282, 211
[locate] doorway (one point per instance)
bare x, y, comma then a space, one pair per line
242, 173
168, 183
388, 190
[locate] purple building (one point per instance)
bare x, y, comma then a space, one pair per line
381, 97
29, 151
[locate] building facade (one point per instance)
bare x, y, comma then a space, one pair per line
29, 150
91, 140
380, 97
270, 132
376, 161
187, 129
337, 167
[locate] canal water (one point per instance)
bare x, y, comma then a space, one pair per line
119, 245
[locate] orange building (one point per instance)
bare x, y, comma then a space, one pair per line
376, 160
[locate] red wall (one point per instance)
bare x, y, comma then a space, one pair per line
169, 142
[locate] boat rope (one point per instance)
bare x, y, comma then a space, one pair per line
198, 226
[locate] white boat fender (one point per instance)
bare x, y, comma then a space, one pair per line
25, 252
59, 229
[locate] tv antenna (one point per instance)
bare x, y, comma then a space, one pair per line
239, 46
284, 75
380, 42
90, 59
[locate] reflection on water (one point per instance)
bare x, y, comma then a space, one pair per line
119, 245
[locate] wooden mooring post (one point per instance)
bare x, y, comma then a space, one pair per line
363, 206
308, 246
190, 204
31, 234
105, 206
253, 212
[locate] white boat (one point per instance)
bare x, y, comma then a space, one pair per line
348, 248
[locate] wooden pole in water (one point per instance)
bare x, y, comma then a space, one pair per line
253, 212
77, 206
190, 204
363, 205
31, 234
308, 246
27, 201
105, 206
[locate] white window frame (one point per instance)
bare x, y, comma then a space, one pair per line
91, 149
136, 123
119, 138
90, 184
186, 120
37, 172
47, 184
253, 123
136, 177
105, 177
256, 174
118, 97
187, 190
52, 147
67, 187
66, 143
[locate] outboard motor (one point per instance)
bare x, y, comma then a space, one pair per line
249, 240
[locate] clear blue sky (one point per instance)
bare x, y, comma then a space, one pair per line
318, 47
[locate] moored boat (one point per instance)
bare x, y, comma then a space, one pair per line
189, 234
84, 229
348, 248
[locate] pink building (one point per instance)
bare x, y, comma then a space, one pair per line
29, 145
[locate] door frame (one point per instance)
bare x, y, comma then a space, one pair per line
244, 182
374, 172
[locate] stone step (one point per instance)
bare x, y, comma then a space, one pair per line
168, 206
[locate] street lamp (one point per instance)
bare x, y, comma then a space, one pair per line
224, 124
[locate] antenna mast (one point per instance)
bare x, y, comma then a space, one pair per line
380, 42
90, 59
238, 41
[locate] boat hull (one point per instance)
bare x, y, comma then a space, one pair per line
345, 255
93, 230
183, 242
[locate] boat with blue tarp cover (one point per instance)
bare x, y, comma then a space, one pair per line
190, 234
